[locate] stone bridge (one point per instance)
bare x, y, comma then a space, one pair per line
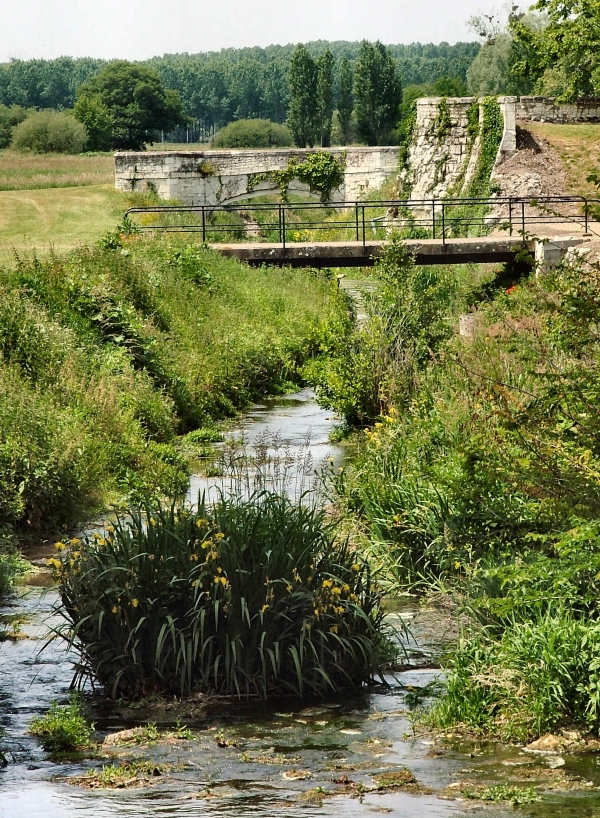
221, 176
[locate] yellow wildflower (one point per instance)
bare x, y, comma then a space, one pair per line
264, 608
54, 562
75, 541
193, 557
346, 588
115, 609
327, 583
135, 602
457, 565
152, 521
339, 609
333, 629
60, 546
206, 543
219, 536
356, 567
289, 589
336, 591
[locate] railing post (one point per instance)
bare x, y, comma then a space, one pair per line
510, 214
203, 225
443, 224
523, 218
279, 213
433, 216
283, 227
357, 228
585, 209
364, 234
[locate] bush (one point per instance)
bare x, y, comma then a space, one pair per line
253, 133
244, 597
63, 729
538, 676
9, 117
49, 132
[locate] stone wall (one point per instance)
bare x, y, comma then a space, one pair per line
217, 177
546, 109
442, 159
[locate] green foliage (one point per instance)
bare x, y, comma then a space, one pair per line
9, 117
49, 132
566, 42
126, 102
324, 116
365, 369
492, 128
64, 729
345, 101
253, 133
303, 78
105, 354
243, 597
320, 170
377, 94
533, 679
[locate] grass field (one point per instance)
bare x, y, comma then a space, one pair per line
57, 218
579, 148
30, 171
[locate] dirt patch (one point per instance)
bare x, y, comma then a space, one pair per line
536, 169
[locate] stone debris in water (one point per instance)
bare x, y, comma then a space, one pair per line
297, 775
125, 736
351, 732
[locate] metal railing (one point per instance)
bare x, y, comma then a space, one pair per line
363, 221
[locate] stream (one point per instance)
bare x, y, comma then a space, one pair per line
285, 758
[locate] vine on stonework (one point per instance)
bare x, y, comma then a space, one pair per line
442, 125
472, 133
321, 171
492, 129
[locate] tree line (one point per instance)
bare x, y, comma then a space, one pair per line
220, 87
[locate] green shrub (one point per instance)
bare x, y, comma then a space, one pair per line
10, 116
538, 676
244, 597
253, 133
49, 132
64, 729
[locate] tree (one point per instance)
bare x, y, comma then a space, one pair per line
49, 132
303, 82
132, 99
377, 93
566, 43
9, 117
325, 66
345, 105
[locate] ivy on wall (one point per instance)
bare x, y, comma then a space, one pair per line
321, 171
492, 128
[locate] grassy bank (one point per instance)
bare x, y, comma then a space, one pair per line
31, 171
109, 353
480, 478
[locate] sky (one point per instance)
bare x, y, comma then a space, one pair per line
137, 29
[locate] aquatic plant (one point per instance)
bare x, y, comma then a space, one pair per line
247, 596
63, 729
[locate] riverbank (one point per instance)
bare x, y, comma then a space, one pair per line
112, 354
479, 480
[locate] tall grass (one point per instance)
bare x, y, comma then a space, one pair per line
108, 353
246, 596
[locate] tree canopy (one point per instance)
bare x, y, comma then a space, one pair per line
124, 104
377, 93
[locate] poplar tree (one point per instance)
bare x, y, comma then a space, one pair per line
377, 93
345, 104
325, 65
303, 83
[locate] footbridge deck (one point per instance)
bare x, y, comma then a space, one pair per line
359, 254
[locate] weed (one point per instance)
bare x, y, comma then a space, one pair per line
64, 729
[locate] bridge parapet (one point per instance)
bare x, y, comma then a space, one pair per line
216, 177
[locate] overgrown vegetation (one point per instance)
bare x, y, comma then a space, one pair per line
245, 596
49, 132
253, 133
106, 355
63, 729
480, 479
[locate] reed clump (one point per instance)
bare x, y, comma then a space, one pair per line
249, 596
